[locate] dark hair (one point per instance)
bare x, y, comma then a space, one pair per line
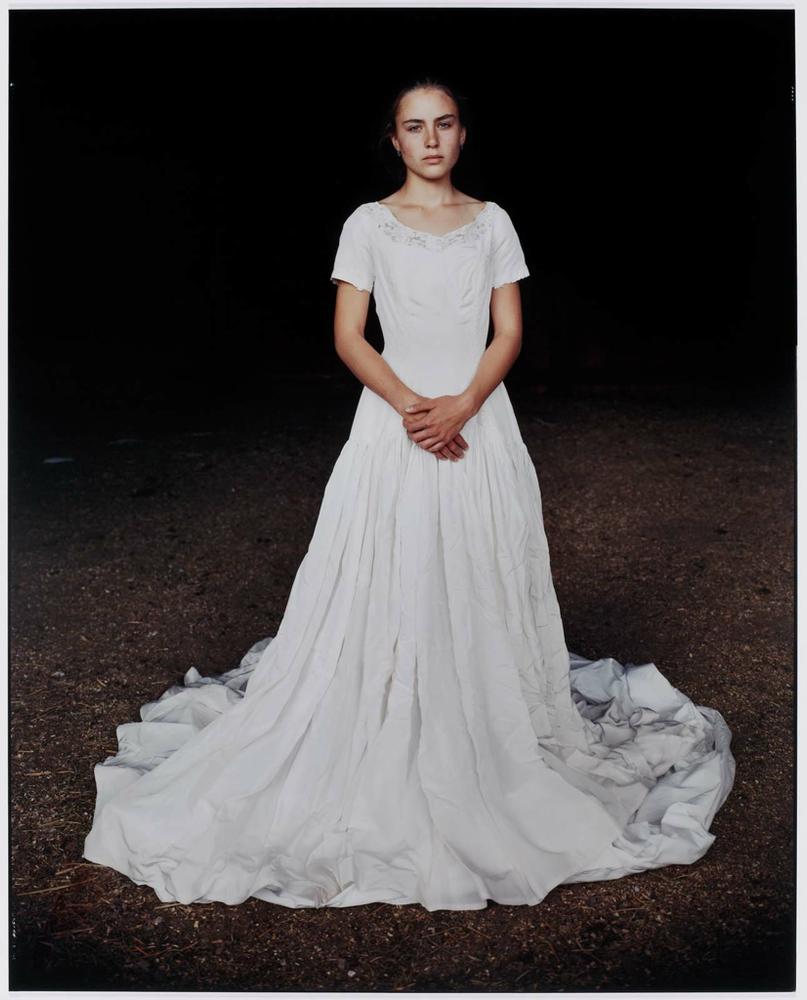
384, 148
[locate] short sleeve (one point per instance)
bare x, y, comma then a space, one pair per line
354, 259
508, 257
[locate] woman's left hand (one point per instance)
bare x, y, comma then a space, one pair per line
433, 421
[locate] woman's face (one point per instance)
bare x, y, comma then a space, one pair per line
427, 125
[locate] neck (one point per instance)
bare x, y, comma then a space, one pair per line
426, 193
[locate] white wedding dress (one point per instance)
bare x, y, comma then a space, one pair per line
416, 731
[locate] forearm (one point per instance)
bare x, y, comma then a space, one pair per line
494, 364
373, 371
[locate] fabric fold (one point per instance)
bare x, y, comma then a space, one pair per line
417, 730
405, 735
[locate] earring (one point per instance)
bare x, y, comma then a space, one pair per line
398, 152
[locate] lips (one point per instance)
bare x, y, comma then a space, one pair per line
428, 159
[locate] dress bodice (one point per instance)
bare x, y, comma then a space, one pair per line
431, 292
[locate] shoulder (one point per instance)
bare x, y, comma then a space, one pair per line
496, 214
500, 219
497, 211
356, 225
364, 210
358, 214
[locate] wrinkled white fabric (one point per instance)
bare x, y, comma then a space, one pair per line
417, 730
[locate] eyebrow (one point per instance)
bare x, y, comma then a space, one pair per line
408, 121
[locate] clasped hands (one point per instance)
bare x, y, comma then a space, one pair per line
434, 423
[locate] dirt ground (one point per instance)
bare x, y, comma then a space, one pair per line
171, 541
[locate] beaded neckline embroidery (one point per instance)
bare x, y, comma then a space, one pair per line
401, 233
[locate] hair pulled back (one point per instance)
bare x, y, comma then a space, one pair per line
386, 152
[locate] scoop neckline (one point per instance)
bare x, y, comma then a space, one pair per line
434, 236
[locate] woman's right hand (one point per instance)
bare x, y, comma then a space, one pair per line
453, 451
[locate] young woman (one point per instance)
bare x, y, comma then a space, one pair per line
416, 731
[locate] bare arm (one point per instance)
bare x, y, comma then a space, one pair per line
350, 318
501, 353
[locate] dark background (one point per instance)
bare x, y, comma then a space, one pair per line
178, 180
